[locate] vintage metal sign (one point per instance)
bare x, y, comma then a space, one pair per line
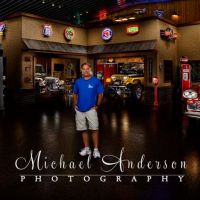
133, 29
69, 33
106, 34
47, 30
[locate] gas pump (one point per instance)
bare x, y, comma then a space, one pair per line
185, 74
189, 94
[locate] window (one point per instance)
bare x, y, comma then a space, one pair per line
195, 71
168, 71
58, 67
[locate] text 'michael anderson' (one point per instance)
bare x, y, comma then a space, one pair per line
109, 163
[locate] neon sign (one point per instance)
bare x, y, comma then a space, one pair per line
133, 29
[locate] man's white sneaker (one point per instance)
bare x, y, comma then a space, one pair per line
96, 153
85, 151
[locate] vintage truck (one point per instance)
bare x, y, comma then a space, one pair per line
129, 83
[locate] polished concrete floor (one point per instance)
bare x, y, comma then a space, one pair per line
163, 134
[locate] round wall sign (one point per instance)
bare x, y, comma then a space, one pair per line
106, 34
69, 33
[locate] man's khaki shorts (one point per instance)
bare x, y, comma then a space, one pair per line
89, 117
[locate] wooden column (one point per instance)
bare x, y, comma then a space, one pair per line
1, 79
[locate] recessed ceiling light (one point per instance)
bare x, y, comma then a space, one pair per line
52, 4
59, 6
43, 1
86, 12
131, 18
118, 20
124, 19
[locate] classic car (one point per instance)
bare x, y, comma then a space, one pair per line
192, 97
49, 85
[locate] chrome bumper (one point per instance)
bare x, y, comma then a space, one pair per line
193, 114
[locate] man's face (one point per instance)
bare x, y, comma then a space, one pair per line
86, 71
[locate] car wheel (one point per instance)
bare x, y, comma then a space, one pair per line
136, 92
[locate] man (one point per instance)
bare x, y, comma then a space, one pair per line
87, 97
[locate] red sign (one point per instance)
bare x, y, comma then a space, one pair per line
132, 29
186, 76
184, 59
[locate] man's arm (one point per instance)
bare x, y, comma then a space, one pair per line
75, 101
99, 99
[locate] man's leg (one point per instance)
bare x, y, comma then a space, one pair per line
82, 126
95, 138
86, 150
85, 138
93, 121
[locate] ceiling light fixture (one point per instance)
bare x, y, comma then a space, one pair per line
59, 6
118, 20
131, 18
175, 16
52, 4
43, 1
124, 19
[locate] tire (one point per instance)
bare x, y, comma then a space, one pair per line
136, 92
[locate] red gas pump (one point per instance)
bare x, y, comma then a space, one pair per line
155, 82
190, 94
185, 74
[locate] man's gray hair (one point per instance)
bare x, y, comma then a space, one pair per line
85, 64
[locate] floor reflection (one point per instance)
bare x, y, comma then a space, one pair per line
160, 134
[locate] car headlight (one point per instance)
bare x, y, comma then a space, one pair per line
113, 78
190, 94
108, 80
119, 92
125, 78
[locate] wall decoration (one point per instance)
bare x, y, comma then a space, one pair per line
2, 28
70, 70
47, 30
69, 33
140, 11
133, 29
159, 13
106, 34
168, 34
27, 72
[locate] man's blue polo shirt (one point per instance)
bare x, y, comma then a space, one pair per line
87, 91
